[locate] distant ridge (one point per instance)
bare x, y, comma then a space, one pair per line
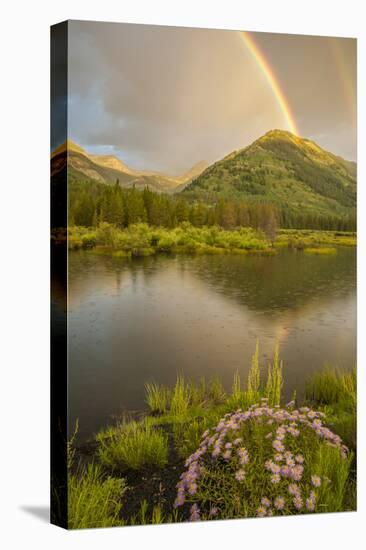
109, 168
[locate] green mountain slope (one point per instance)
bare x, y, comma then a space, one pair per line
293, 173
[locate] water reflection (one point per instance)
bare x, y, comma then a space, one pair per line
133, 321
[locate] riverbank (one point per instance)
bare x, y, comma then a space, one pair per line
201, 452
144, 240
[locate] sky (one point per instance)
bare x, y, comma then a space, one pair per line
165, 98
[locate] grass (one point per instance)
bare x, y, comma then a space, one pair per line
333, 387
134, 445
176, 429
180, 398
335, 392
274, 380
321, 251
157, 397
94, 500
315, 239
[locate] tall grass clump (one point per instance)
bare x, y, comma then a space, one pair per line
336, 391
333, 387
265, 461
254, 376
94, 500
154, 517
274, 380
180, 398
216, 391
236, 388
134, 445
157, 397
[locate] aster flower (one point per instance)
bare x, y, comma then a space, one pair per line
276, 478
179, 501
316, 481
227, 454
261, 512
298, 502
310, 504
299, 459
275, 468
266, 502
279, 503
297, 472
294, 489
192, 488
278, 446
195, 513
278, 457
240, 475
215, 453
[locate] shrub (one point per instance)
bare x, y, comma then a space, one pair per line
89, 241
94, 500
265, 461
134, 445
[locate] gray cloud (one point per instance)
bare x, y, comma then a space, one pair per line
164, 98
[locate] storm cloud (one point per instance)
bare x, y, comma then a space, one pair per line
165, 98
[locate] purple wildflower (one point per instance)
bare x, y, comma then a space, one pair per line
316, 481
299, 459
279, 503
261, 511
216, 451
195, 513
298, 502
266, 502
179, 501
276, 478
278, 446
310, 504
213, 512
240, 475
294, 489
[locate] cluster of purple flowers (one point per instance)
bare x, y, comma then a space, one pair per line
221, 443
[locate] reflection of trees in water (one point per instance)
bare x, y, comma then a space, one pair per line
263, 283
278, 283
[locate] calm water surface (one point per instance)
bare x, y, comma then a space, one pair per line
132, 321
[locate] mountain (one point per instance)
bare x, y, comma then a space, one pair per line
81, 165
292, 172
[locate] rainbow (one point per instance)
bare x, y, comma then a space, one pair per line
271, 79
